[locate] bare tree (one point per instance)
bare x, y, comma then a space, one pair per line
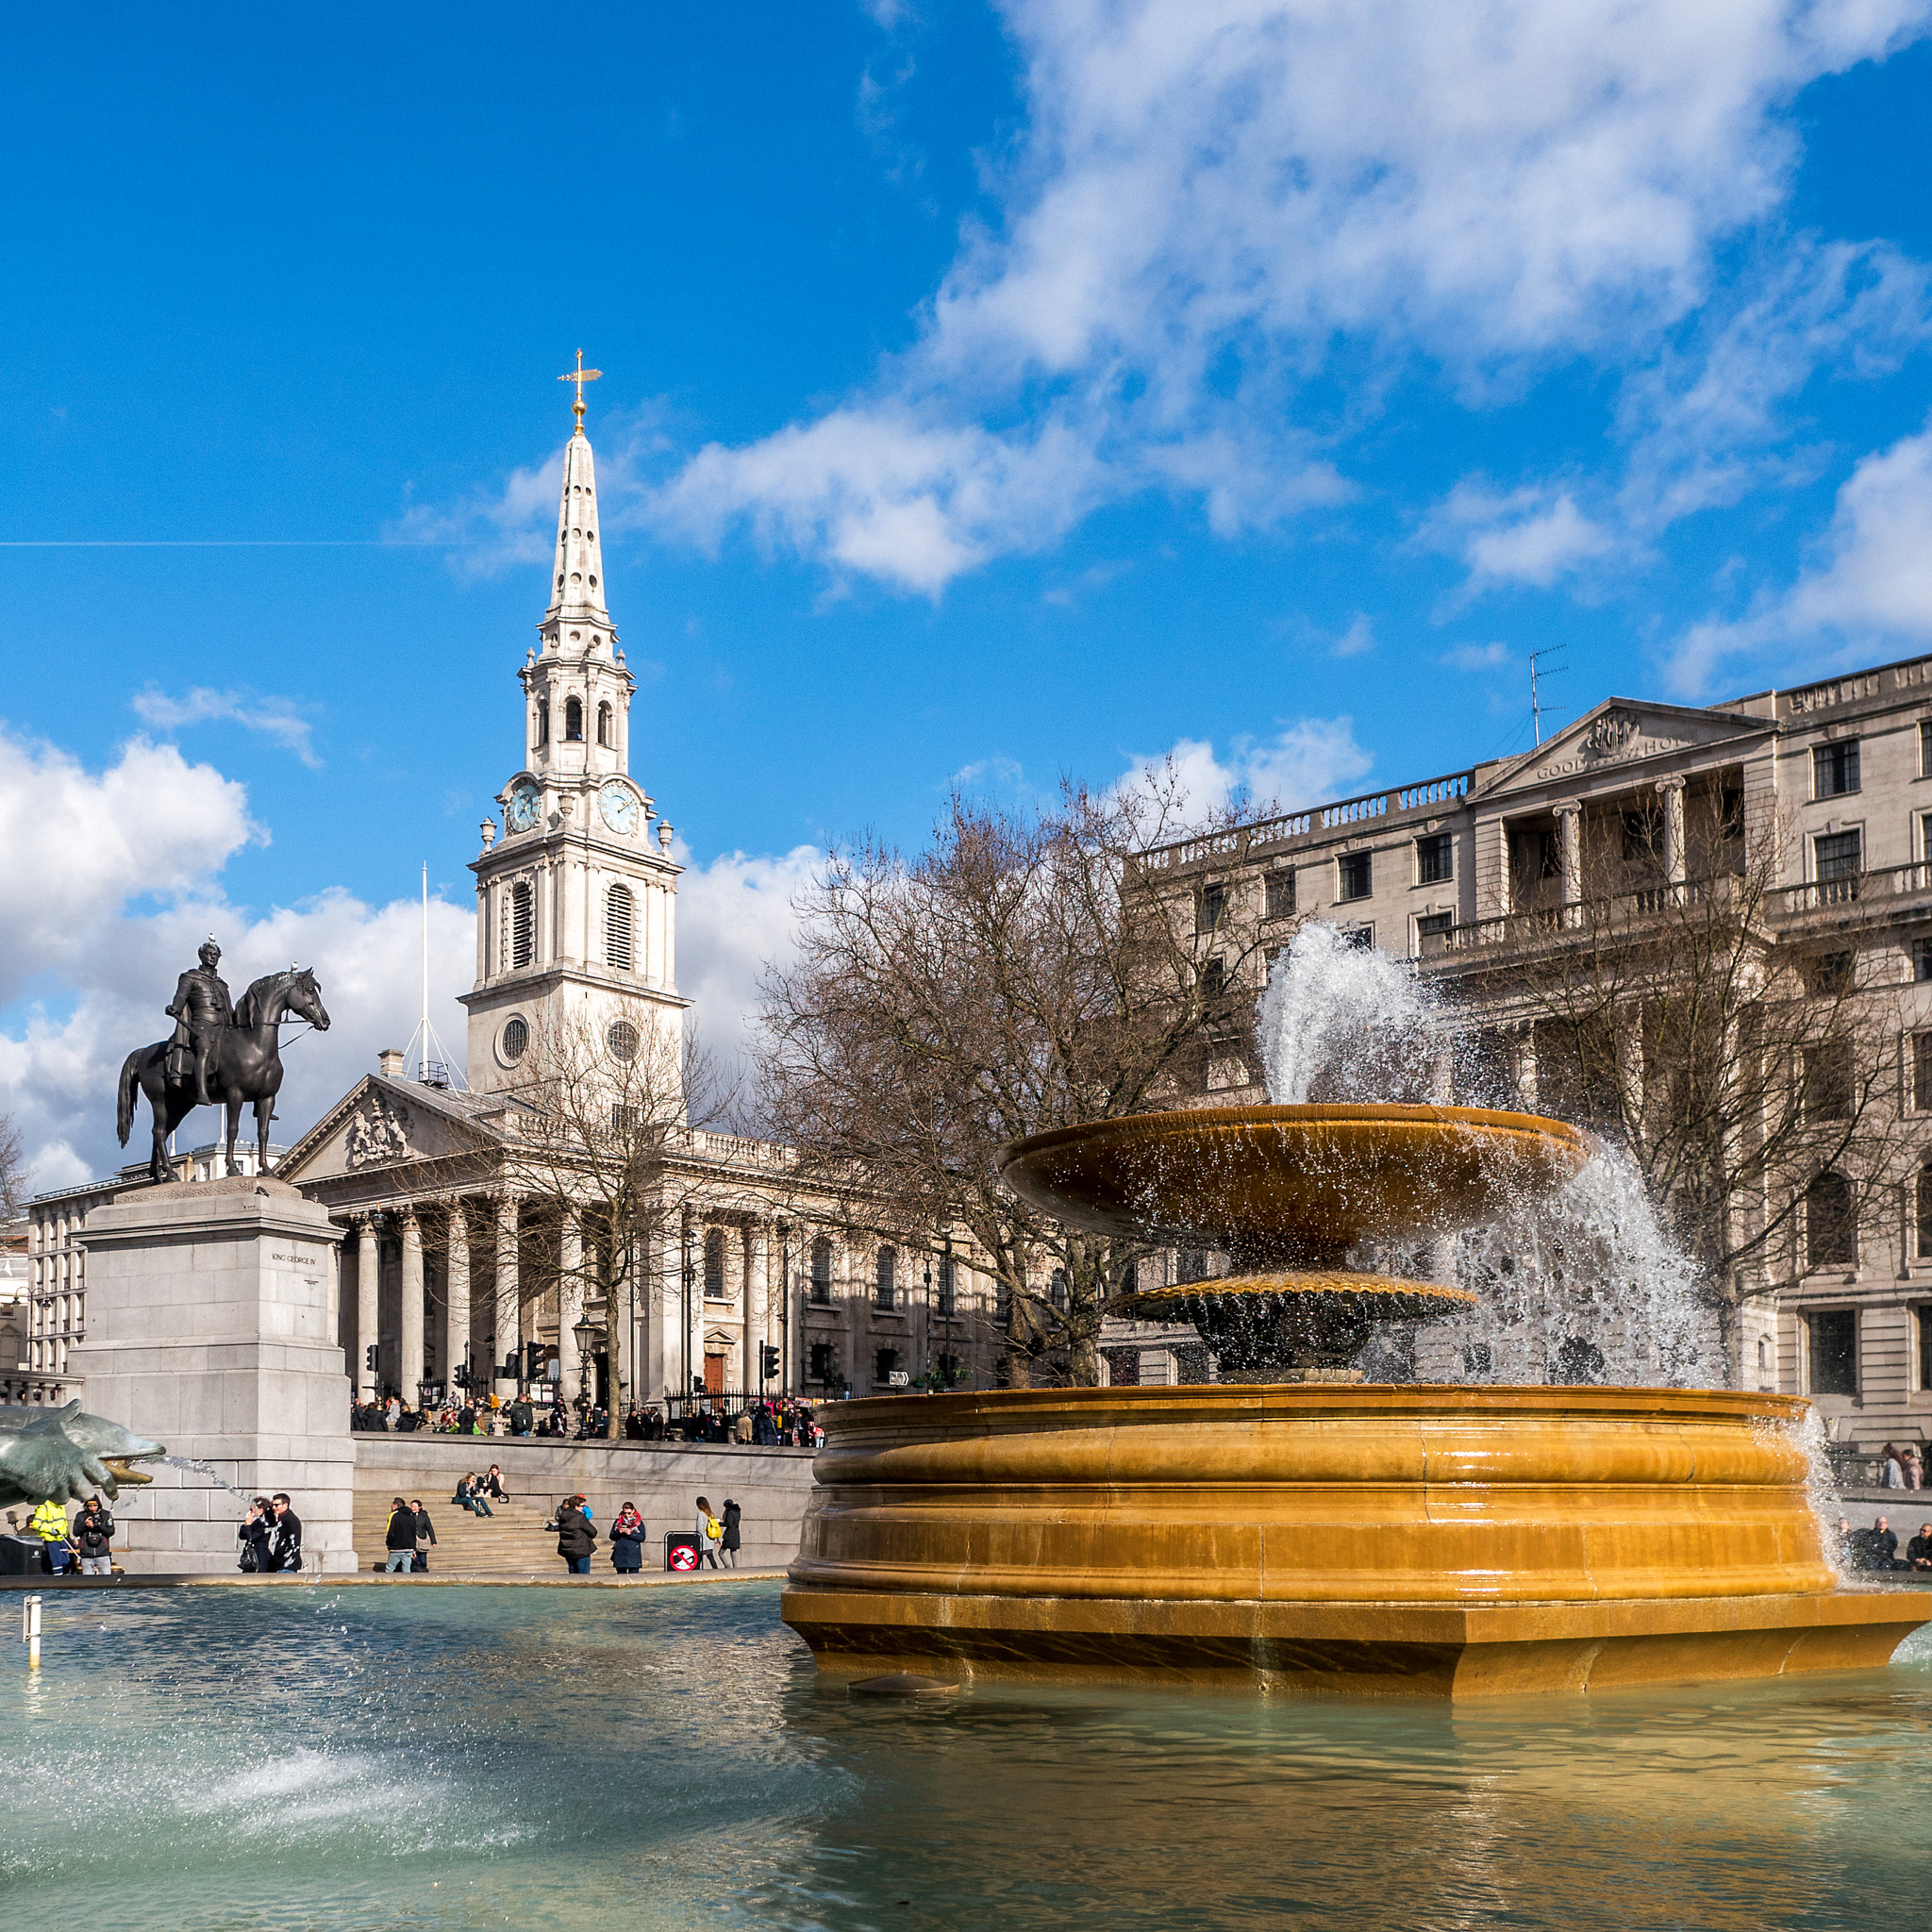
1746, 1051
1017, 975
12, 1168
603, 1157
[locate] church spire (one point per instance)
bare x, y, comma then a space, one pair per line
577, 590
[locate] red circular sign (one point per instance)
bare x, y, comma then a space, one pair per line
683, 1556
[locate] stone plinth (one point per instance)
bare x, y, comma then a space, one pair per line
212, 1328
1330, 1540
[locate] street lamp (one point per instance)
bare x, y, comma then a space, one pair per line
584, 1334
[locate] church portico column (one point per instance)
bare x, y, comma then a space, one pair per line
456, 1336
1570, 850
368, 1326
508, 1291
757, 1302
1672, 790
410, 1327
571, 1379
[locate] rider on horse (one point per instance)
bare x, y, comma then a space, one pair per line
201, 1011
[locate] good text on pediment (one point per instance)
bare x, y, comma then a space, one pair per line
1615, 739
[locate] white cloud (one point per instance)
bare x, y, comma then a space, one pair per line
1478, 657
1264, 185
275, 717
114, 878
1533, 535
1871, 592
1357, 638
1305, 763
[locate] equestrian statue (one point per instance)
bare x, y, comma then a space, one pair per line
221, 1054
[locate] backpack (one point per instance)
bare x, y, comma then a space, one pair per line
713, 1528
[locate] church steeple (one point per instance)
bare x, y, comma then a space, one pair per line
577, 587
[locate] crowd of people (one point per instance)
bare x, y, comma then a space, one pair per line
1877, 1548
1901, 1469
718, 1538
780, 1422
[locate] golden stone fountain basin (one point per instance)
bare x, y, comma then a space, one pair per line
1377, 1539
1293, 1181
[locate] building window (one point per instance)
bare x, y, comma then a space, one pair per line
1921, 1204
714, 1265
1191, 1264
822, 1272
1831, 1222
1835, 769
542, 720
1922, 959
1925, 1327
622, 1039
1829, 1082
886, 1366
574, 721
948, 1292
1839, 858
516, 1040
1279, 889
1925, 749
1213, 978
824, 1363
1834, 1351
1476, 1358
1922, 1071
618, 927
604, 727
1355, 876
1362, 938
1057, 1290
1643, 837
1435, 860
522, 925
1212, 904
949, 1370
1432, 931
885, 1283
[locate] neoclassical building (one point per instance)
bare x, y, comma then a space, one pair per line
1473, 874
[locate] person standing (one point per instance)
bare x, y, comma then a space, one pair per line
711, 1534
255, 1534
731, 1519
49, 1523
627, 1540
285, 1543
575, 1538
426, 1534
93, 1534
399, 1539
1914, 1468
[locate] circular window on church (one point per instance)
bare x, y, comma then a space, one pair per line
516, 1041
623, 1041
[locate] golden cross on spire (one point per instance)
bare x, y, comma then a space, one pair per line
579, 375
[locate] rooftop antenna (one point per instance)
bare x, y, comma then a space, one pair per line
1537, 674
434, 1066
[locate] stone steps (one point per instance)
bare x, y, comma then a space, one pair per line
513, 1543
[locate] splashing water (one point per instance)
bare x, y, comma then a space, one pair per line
207, 1468
1586, 1286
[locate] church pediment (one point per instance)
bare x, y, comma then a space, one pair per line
378, 1124
1623, 732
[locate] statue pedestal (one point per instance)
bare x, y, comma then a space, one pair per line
212, 1328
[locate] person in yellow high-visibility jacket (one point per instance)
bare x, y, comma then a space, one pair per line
49, 1523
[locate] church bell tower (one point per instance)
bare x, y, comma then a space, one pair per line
576, 902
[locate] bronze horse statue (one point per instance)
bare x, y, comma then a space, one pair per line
249, 1067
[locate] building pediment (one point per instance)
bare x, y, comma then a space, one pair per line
381, 1123
1619, 732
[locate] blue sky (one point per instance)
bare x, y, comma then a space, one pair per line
990, 391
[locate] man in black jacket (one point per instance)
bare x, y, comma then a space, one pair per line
575, 1538
1884, 1546
1919, 1551
285, 1544
399, 1540
92, 1533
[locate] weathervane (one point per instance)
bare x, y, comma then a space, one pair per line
579, 375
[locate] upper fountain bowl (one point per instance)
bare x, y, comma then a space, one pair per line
1294, 1186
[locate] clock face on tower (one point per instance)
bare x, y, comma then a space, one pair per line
619, 805
526, 800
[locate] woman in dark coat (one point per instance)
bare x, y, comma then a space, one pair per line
728, 1544
627, 1540
253, 1534
575, 1538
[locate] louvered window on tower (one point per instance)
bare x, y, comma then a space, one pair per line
574, 721
618, 927
605, 736
523, 937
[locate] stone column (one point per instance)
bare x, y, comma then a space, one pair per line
507, 1325
368, 1322
1570, 843
456, 1334
571, 1378
409, 1316
758, 1305
1672, 790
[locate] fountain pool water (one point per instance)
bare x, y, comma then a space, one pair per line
333, 1758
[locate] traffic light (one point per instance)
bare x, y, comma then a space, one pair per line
369, 1357
697, 1385
768, 1360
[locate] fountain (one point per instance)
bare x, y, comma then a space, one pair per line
1292, 1525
